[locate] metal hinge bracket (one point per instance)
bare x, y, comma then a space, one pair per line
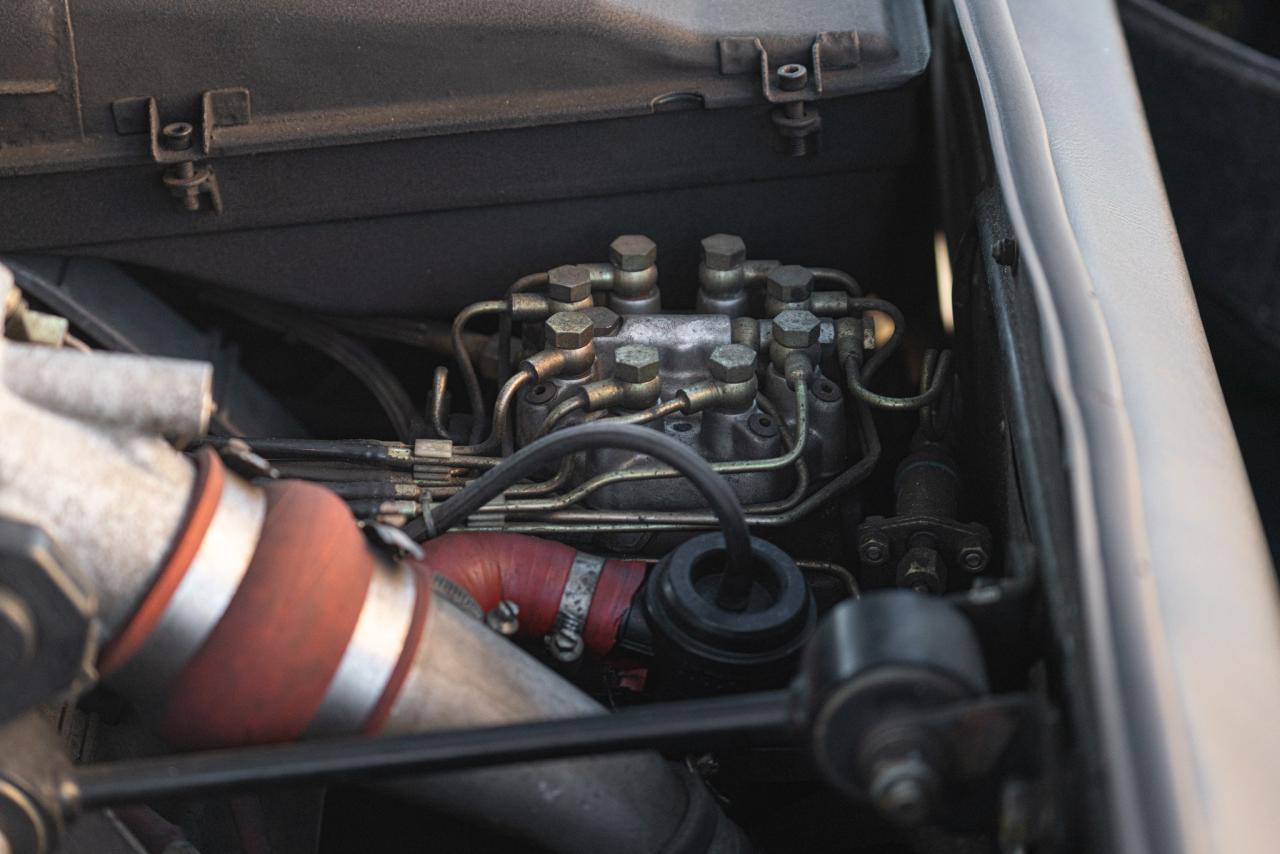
182, 146
791, 85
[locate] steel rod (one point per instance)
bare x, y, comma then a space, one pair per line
764, 717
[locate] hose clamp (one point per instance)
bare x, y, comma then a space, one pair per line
372, 654
565, 638
200, 599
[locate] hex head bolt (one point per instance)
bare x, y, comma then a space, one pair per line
569, 330
636, 363
633, 252
568, 284
733, 363
796, 329
723, 251
790, 284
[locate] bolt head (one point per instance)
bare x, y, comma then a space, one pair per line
565, 646
733, 363
636, 363
792, 77
569, 283
796, 329
177, 136
973, 558
606, 320
873, 551
790, 283
569, 330
504, 618
723, 251
633, 252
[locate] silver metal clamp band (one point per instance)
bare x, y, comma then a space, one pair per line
201, 597
579, 591
372, 653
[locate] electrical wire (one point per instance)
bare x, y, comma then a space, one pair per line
736, 579
346, 351
366, 451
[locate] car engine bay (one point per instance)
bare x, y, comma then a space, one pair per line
683, 481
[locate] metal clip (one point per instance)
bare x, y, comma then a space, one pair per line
797, 122
179, 147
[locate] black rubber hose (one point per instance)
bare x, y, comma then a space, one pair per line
346, 351
735, 584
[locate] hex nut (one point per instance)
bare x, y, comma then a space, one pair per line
790, 283
569, 283
636, 363
733, 363
723, 251
796, 329
569, 330
606, 320
633, 252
